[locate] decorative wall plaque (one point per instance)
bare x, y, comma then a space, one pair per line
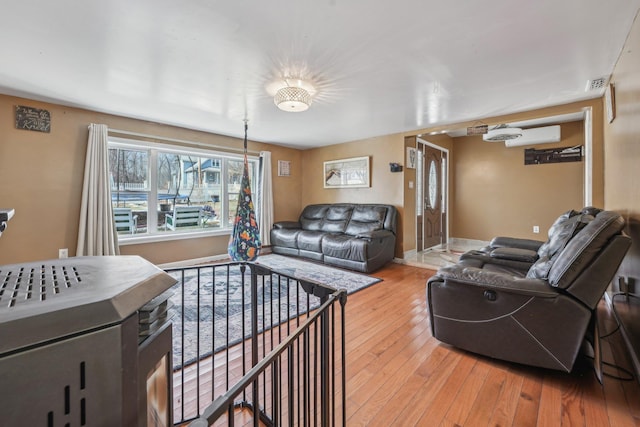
477, 130
412, 154
284, 168
553, 155
33, 119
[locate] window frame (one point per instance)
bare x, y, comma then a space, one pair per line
154, 148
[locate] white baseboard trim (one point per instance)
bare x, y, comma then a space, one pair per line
205, 260
457, 241
194, 261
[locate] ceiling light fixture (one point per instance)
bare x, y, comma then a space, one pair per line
292, 94
293, 99
502, 133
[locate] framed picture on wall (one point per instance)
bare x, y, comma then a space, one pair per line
411, 157
284, 168
347, 173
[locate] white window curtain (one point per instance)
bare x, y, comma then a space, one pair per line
96, 232
265, 199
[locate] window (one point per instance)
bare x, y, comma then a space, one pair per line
433, 185
164, 191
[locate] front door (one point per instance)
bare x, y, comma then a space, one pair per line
432, 219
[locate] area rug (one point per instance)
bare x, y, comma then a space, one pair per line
224, 299
334, 277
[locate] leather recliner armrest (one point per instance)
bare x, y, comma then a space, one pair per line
514, 242
490, 280
287, 225
515, 254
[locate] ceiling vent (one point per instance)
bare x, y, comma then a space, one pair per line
596, 84
533, 136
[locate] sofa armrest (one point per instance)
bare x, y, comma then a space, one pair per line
287, 225
377, 234
514, 242
490, 280
515, 254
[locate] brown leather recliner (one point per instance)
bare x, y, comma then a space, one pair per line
534, 313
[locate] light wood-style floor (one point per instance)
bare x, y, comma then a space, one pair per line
399, 375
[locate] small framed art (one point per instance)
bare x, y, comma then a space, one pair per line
284, 168
411, 157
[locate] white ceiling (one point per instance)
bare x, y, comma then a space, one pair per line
380, 67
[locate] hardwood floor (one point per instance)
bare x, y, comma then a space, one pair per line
399, 375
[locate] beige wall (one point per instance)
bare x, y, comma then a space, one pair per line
41, 178
496, 194
476, 172
622, 150
385, 185
464, 206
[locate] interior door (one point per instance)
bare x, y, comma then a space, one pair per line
432, 218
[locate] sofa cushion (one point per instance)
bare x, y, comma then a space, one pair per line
286, 238
312, 216
555, 228
345, 247
365, 219
582, 249
336, 218
310, 240
562, 231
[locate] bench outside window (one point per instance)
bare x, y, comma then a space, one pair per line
160, 190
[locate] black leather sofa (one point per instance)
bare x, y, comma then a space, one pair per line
359, 237
539, 310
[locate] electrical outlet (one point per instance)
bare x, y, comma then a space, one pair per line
63, 253
536, 229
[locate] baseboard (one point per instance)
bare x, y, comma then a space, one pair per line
461, 242
194, 261
205, 260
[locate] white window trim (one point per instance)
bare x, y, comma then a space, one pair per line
118, 142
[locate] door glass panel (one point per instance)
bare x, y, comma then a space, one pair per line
433, 184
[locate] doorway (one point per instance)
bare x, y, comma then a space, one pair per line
431, 195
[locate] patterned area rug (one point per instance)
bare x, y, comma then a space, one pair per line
224, 300
334, 277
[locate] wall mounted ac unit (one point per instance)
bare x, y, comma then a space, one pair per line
542, 135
